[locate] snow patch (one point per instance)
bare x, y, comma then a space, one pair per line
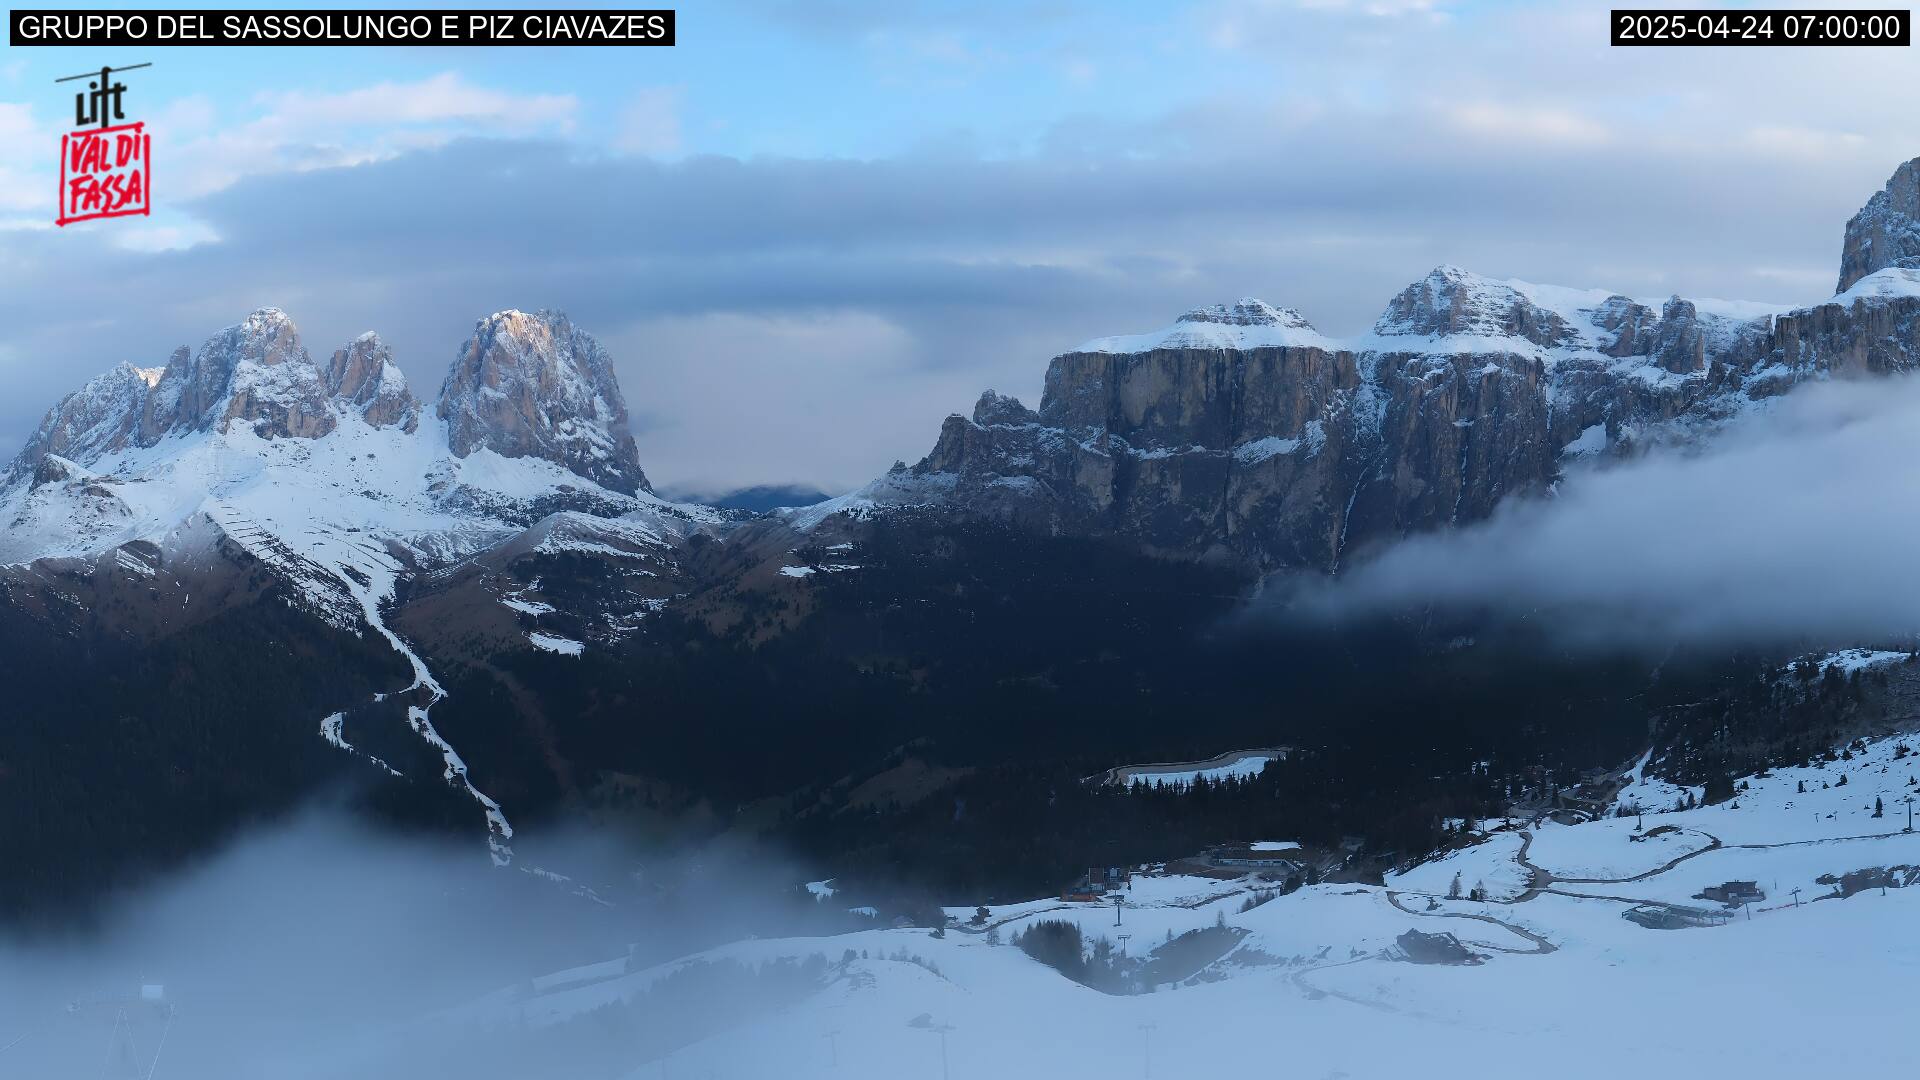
552, 644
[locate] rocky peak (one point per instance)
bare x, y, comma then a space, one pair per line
534, 385
1450, 301
1000, 409
362, 375
1886, 231
1247, 311
257, 373
99, 418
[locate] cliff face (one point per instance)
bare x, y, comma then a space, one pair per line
1886, 231
362, 375
1241, 433
255, 375
534, 385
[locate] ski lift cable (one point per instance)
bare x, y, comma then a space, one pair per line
155, 1063
22, 1037
107, 1062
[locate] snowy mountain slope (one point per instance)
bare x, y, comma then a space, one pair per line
332, 481
1321, 979
334, 466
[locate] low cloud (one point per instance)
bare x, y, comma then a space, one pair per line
325, 949
1795, 526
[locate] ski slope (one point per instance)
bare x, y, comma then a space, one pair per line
1316, 986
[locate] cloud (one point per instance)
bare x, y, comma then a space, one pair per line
1499, 120
1807, 142
988, 266
790, 381
1794, 527
26, 188
438, 99
650, 122
325, 949
301, 131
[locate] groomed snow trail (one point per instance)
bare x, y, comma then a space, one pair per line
377, 586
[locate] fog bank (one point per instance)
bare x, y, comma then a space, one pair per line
1796, 524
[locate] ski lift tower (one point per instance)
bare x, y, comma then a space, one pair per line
134, 1026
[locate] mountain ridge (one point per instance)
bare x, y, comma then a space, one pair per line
510, 552
1242, 434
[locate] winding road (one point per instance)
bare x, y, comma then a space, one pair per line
1539, 880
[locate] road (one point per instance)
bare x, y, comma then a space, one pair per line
1540, 880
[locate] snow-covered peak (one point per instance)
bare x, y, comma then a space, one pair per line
102, 416
1247, 311
1451, 302
255, 373
1244, 324
1452, 310
534, 385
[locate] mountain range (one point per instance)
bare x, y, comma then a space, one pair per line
510, 521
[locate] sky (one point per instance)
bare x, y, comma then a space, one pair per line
809, 231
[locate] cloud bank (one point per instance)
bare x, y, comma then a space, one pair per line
325, 949
1795, 526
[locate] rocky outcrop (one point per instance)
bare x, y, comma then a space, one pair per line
1193, 450
524, 386
99, 418
257, 373
1886, 231
534, 385
363, 376
1242, 433
1277, 446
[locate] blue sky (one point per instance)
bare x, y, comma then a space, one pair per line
811, 230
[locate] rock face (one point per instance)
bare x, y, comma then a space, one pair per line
257, 373
1241, 433
99, 418
1886, 232
523, 386
363, 375
536, 386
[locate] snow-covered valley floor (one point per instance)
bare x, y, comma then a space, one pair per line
1315, 985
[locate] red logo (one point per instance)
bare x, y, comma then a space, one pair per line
105, 173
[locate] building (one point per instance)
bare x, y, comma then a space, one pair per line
1655, 916
1246, 858
1097, 883
1732, 893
